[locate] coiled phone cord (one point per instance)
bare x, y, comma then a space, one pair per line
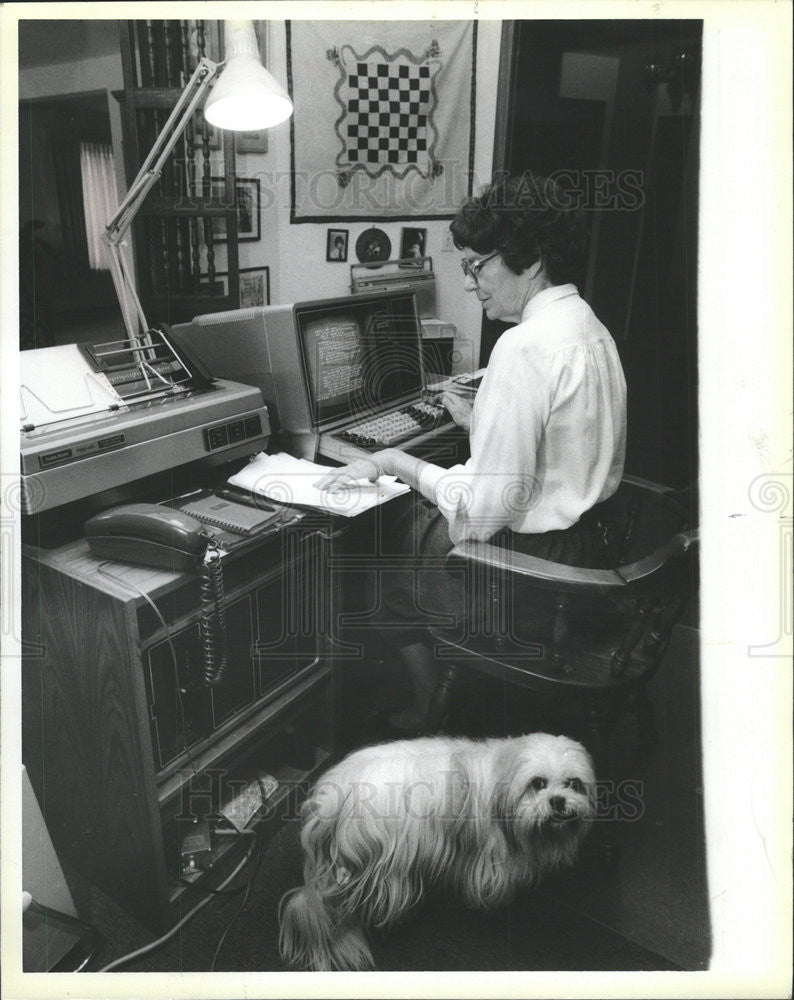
213, 617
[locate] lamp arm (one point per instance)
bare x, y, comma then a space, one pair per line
116, 228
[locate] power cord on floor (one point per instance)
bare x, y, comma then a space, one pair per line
224, 892
251, 877
154, 945
260, 840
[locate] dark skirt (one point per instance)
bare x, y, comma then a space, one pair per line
419, 590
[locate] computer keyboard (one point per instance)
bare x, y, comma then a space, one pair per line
388, 429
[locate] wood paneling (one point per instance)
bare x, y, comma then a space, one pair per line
87, 731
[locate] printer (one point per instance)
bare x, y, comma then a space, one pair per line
97, 417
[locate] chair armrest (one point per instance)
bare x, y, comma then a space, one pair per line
640, 570
542, 572
572, 579
646, 484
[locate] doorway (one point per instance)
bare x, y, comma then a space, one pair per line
66, 291
611, 108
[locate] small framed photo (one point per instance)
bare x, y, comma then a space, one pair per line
254, 286
252, 142
412, 246
219, 287
247, 197
336, 245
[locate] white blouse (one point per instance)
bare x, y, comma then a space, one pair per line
548, 434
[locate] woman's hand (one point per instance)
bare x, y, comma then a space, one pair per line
459, 408
349, 476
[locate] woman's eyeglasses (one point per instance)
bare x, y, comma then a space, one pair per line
472, 268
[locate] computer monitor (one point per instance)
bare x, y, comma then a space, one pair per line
318, 362
359, 358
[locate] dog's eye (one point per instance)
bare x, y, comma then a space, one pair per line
537, 784
576, 785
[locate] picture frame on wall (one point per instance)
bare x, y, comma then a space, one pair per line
219, 287
336, 245
248, 202
413, 244
251, 142
254, 286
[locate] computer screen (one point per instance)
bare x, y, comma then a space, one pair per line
359, 357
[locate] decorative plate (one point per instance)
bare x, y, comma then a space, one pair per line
373, 246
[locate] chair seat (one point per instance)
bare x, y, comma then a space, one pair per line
550, 626
596, 635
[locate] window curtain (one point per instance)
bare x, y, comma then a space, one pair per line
100, 198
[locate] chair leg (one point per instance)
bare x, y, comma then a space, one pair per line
598, 726
439, 703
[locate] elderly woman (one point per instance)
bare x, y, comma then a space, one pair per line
547, 429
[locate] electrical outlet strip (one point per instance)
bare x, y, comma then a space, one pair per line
243, 807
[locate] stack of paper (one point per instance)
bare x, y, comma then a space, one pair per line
58, 382
290, 480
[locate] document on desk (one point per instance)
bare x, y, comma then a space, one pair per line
290, 480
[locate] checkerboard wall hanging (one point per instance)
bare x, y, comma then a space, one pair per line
384, 118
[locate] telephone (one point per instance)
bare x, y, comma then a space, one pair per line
154, 535
150, 534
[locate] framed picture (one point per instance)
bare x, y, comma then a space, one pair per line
412, 246
254, 286
248, 222
252, 142
336, 245
219, 287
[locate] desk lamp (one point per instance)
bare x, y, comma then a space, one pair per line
245, 98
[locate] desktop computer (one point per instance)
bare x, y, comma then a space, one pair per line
341, 377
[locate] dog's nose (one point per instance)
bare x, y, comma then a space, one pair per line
558, 803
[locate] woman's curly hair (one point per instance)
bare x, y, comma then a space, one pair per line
526, 218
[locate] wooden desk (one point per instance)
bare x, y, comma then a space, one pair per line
121, 764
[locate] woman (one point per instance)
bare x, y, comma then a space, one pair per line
547, 429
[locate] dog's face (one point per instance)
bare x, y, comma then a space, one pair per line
549, 788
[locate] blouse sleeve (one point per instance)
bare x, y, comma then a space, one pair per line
498, 483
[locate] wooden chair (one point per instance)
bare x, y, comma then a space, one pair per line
608, 628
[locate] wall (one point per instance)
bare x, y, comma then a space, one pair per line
296, 253
91, 72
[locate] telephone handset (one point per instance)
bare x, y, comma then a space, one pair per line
153, 535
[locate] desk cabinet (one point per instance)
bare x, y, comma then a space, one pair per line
124, 744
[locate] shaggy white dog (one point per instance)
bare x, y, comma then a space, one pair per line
389, 821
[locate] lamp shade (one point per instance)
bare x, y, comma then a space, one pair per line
246, 97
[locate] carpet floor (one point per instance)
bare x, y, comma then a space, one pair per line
534, 933
648, 912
